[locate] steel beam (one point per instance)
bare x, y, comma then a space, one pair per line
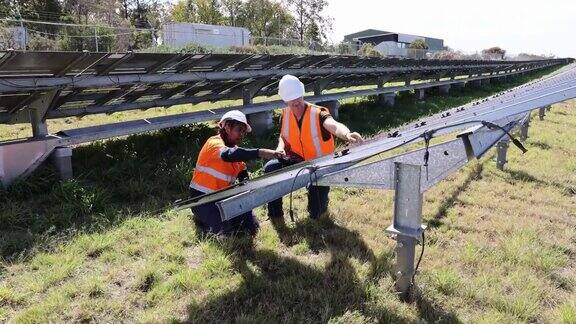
541, 113
407, 226
502, 151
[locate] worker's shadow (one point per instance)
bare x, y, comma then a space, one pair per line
280, 288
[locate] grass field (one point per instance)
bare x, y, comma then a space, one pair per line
501, 245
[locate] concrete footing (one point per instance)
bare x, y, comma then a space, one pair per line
445, 89
476, 83
261, 122
420, 93
333, 106
459, 85
387, 99
62, 160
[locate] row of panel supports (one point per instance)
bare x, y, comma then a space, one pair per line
261, 122
407, 228
502, 146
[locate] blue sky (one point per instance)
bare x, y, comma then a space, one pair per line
542, 27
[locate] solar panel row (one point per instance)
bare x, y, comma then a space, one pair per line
90, 83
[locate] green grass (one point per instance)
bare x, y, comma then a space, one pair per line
500, 244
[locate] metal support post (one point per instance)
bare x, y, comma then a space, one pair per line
260, 122
502, 149
407, 225
387, 99
333, 106
524, 130
420, 94
445, 89
541, 113
38, 109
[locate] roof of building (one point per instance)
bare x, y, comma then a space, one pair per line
363, 33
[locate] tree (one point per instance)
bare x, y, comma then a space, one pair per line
494, 52
185, 11
368, 50
209, 12
44, 10
307, 12
313, 32
265, 18
231, 10
198, 11
418, 44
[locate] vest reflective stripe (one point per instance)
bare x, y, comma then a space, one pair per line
286, 123
215, 173
305, 140
314, 116
211, 172
201, 188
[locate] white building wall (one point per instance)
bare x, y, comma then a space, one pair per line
181, 34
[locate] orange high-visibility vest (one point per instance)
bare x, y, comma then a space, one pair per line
211, 172
307, 141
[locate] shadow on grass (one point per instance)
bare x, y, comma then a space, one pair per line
450, 199
142, 174
541, 145
276, 288
523, 176
431, 311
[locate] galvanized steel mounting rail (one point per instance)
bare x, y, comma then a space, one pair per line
486, 123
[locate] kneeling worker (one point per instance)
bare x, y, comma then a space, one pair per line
307, 132
219, 164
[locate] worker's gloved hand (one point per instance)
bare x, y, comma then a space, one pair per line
354, 137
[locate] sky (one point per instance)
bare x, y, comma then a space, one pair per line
535, 27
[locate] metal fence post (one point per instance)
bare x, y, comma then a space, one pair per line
407, 225
96, 38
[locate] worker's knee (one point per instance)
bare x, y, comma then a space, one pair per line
272, 165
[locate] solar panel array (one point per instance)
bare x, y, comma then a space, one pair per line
90, 83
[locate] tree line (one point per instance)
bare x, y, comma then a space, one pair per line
286, 19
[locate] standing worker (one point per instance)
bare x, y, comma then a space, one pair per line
307, 132
220, 163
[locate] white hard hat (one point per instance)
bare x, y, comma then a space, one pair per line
235, 115
290, 88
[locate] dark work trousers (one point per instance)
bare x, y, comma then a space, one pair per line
317, 195
207, 219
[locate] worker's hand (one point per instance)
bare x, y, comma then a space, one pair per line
268, 154
280, 154
354, 137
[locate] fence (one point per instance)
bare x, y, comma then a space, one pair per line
50, 36
22, 34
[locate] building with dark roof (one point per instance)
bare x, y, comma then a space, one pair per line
390, 43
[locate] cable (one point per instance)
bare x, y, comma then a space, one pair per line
312, 169
514, 140
419, 259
